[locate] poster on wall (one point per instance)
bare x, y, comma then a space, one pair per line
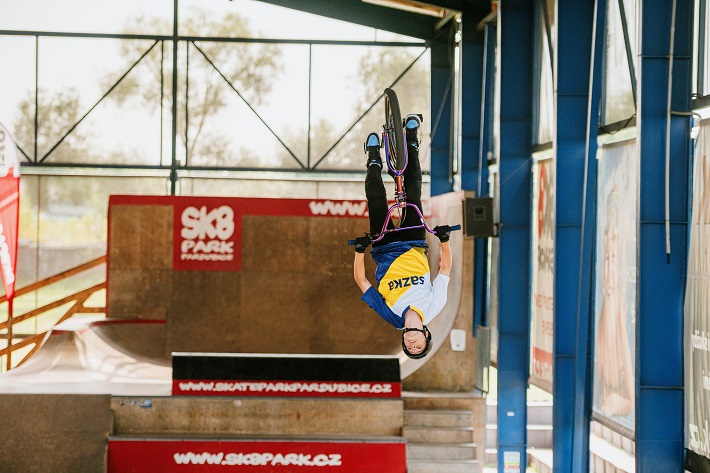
615, 291
543, 275
697, 322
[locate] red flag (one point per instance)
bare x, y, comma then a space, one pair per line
9, 209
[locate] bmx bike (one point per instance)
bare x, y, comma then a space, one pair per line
396, 156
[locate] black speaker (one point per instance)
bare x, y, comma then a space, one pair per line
478, 217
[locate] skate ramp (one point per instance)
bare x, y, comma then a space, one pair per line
96, 356
288, 288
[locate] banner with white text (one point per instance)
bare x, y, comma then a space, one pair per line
223, 456
543, 275
207, 231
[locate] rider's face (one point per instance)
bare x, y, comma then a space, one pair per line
414, 341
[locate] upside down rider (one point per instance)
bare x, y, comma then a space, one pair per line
404, 295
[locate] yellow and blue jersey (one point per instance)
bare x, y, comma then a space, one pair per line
404, 282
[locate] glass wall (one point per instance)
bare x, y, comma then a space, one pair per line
269, 102
545, 98
619, 63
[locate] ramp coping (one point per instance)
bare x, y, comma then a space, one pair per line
281, 355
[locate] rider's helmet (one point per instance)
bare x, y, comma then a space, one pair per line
427, 347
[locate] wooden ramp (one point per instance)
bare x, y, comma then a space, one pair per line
289, 291
239, 275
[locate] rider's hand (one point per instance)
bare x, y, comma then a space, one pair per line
442, 232
361, 243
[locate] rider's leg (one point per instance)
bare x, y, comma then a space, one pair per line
374, 187
413, 172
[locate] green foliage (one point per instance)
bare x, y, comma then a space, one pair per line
57, 113
250, 68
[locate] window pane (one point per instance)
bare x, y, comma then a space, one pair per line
619, 98
83, 16
63, 224
546, 104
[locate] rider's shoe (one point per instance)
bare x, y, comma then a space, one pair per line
372, 149
412, 121
411, 125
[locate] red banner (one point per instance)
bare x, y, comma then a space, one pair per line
207, 231
9, 210
347, 389
222, 456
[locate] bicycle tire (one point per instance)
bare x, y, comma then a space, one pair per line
394, 130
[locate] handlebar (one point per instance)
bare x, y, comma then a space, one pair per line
453, 228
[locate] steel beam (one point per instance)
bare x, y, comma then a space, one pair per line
661, 284
515, 52
575, 188
442, 82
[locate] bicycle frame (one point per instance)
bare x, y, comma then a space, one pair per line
390, 140
386, 230
400, 195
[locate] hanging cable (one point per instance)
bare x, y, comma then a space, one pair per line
668, 135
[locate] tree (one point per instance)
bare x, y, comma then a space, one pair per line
251, 68
57, 112
383, 66
377, 69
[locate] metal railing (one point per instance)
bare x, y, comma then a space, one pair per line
79, 300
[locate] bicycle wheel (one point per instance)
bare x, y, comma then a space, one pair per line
394, 130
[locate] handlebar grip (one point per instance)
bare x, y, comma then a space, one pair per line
351, 242
455, 227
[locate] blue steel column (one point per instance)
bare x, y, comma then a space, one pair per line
472, 56
476, 76
515, 40
440, 115
659, 350
575, 26
480, 276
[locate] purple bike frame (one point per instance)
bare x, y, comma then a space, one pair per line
400, 198
386, 230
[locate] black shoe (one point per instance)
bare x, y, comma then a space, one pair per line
411, 124
372, 148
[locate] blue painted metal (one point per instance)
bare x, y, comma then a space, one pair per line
476, 74
472, 71
659, 350
573, 268
480, 275
584, 360
374, 16
441, 132
515, 33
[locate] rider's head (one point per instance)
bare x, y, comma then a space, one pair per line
416, 343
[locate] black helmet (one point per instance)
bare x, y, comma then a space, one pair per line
427, 347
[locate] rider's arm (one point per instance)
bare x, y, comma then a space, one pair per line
445, 259
360, 277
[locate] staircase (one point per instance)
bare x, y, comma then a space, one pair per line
440, 440
539, 432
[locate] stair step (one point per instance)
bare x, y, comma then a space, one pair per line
444, 466
438, 418
451, 451
425, 434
